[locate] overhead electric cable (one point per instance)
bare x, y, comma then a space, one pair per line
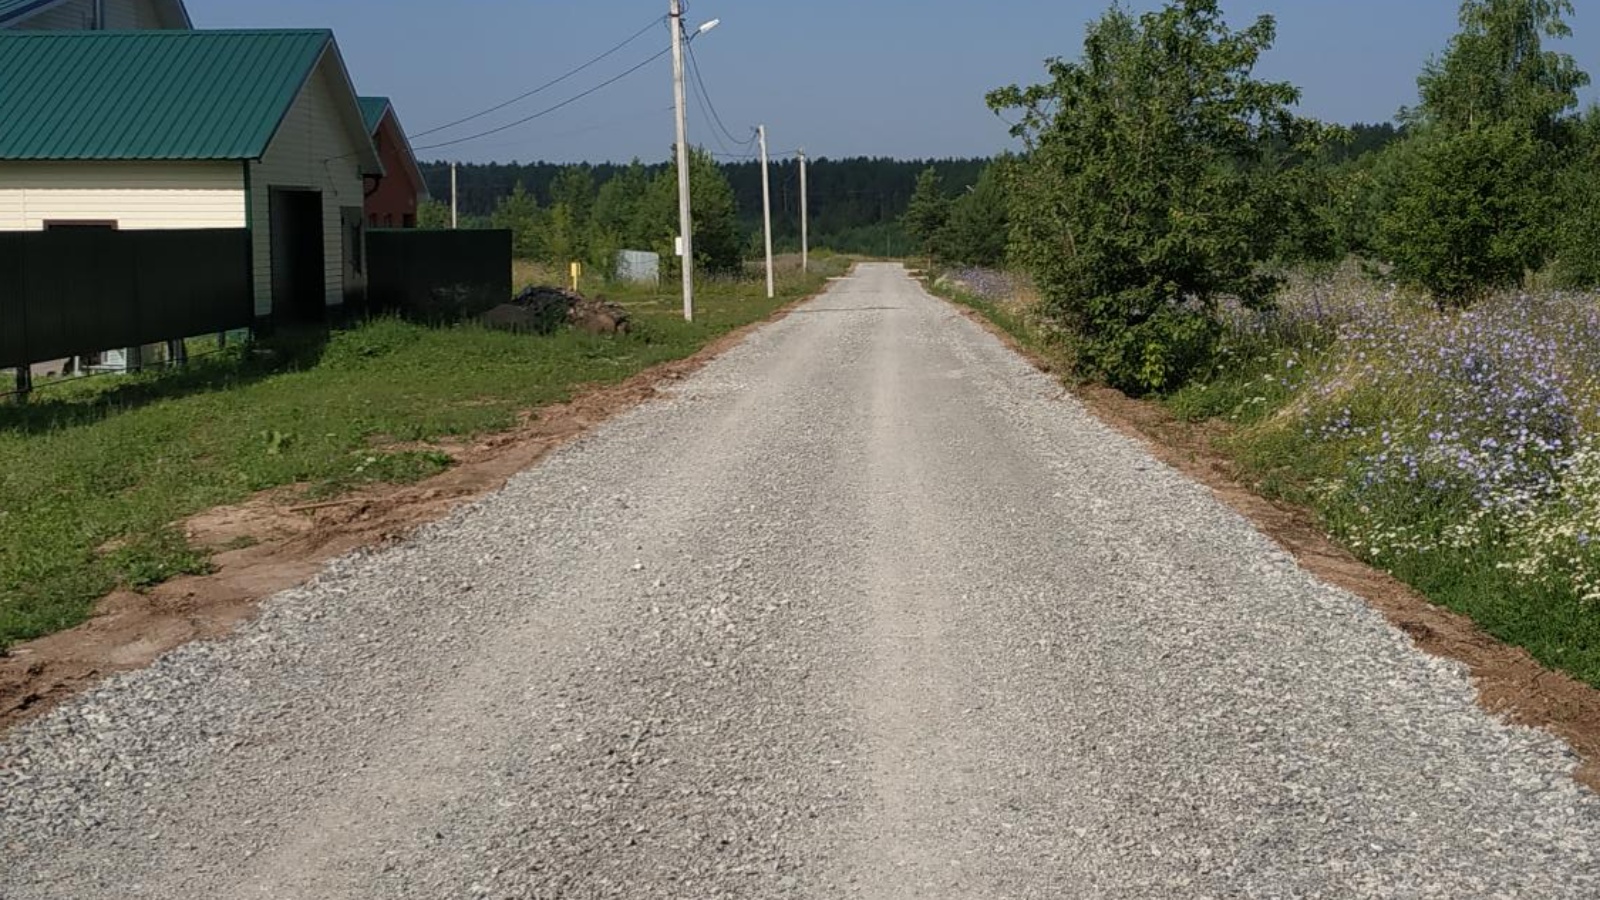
548, 110
547, 85
694, 66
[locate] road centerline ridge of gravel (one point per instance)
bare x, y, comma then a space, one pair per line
864, 608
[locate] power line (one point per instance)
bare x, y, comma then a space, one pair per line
694, 65
545, 112
610, 123
705, 113
547, 85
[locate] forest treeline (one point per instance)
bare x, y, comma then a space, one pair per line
856, 204
1160, 177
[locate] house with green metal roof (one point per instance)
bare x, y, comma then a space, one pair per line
259, 130
392, 200
93, 15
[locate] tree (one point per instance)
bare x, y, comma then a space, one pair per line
980, 221
1473, 207
1497, 71
562, 240
717, 242
1471, 215
928, 212
613, 219
520, 213
1577, 238
433, 215
1143, 198
574, 188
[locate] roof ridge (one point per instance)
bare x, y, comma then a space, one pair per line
160, 34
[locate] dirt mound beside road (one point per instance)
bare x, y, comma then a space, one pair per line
542, 310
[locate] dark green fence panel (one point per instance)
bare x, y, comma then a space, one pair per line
437, 276
201, 284
76, 291
13, 314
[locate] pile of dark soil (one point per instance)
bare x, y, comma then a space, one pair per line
542, 310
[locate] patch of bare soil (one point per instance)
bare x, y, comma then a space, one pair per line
274, 542
1510, 682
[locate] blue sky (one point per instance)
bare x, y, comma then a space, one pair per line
899, 78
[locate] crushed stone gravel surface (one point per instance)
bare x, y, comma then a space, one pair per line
865, 609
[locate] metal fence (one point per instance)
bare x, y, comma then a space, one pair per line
437, 276
73, 292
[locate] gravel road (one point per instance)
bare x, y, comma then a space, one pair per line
866, 609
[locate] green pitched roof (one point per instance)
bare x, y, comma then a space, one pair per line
372, 110
189, 95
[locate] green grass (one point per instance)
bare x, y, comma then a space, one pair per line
94, 473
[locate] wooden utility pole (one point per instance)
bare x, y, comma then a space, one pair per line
805, 217
766, 210
454, 203
685, 220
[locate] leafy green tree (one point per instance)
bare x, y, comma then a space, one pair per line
1472, 210
979, 224
1496, 70
433, 215
928, 212
519, 213
563, 241
1470, 217
1142, 197
1303, 219
1577, 239
613, 221
574, 188
717, 241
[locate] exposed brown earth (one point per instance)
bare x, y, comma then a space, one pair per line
1510, 682
282, 541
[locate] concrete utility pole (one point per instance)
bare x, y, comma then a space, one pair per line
454, 205
685, 222
805, 218
766, 209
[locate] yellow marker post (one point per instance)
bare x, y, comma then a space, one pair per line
577, 273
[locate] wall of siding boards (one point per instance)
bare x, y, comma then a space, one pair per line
314, 149
135, 195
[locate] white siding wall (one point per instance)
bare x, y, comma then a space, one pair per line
75, 15
314, 149
136, 195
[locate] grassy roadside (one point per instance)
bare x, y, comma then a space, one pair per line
1335, 409
94, 473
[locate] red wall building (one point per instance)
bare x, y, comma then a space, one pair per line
391, 201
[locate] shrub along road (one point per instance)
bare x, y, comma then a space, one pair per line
865, 609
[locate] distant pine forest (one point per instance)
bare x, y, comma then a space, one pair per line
857, 203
